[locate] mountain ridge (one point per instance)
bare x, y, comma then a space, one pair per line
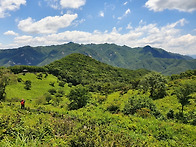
119, 56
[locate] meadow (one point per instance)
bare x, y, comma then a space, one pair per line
101, 122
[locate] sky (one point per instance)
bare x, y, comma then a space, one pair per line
166, 24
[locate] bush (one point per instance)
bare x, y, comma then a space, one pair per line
139, 102
19, 79
114, 108
78, 96
193, 122
52, 91
61, 84
27, 85
154, 83
170, 114
52, 84
143, 112
48, 97
39, 76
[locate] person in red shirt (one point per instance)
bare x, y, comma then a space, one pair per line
22, 102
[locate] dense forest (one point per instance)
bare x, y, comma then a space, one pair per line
79, 101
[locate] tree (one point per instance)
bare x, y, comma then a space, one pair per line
27, 85
5, 76
78, 97
137, 102
183, 93
155, 83
2, 89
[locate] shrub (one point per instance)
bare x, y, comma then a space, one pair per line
52, 91
78, 96
138, 102
193, 122
143, 112
114, 108
170, 114
154, 83
61, 84
48, 97
19, 79
52, 84
27, 85
39, 76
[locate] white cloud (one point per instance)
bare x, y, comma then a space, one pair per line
129, 27
53, 3
9, 5
128, 11
125, 3
12, 33
77, 22
181, 5
46, 25
101, 14
75, 4
167, 37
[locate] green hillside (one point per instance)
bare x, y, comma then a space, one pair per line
131, 118
119, 56
81, 69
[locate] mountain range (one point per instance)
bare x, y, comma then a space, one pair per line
147, 57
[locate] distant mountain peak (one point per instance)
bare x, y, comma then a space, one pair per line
160, 53
147, 57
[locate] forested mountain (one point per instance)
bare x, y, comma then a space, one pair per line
119, 56
81, 69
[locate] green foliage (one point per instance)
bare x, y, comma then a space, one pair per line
62, 83
5, 78
40, 76
40, 100
138, 103
100, 77
115, 115
184, 91
27, 84
52, 84
52, 91
48, 97
170, 114
78, 96
119, 56
154, 83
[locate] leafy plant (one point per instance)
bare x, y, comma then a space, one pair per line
27, 85
138, 103
78, 96
52, 91
154, 83
183, 93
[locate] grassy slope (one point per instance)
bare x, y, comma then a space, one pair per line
38, 87
135, 130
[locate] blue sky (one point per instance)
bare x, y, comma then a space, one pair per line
167, 24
